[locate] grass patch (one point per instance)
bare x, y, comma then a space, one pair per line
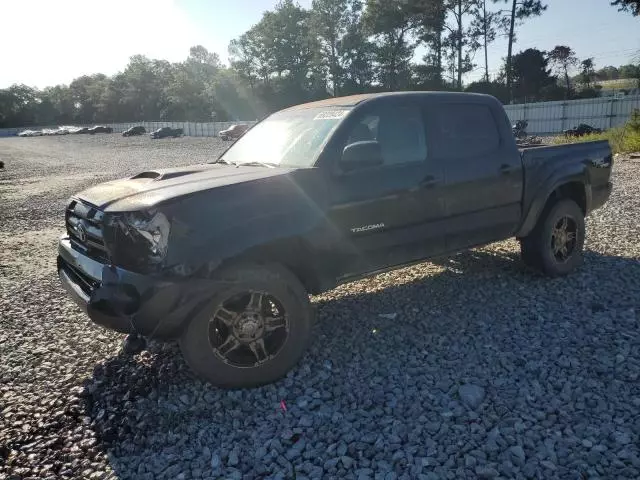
618, 84
625, 139
621, 140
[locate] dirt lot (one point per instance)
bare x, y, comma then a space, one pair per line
469, 367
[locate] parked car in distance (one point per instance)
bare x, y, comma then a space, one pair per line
55, 131
223, 256
234, 132
581, 130
100, 129
165, 132
30, 133
70, 129
137, 130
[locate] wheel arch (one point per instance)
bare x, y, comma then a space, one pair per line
292, 253
574, 188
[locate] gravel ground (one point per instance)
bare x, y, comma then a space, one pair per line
468, 367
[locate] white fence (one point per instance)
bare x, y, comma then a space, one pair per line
192, 129
544, 118
553, 117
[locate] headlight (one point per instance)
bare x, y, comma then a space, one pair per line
151, 227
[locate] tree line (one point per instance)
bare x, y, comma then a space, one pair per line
337, 47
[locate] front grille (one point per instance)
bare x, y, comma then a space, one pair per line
84, 226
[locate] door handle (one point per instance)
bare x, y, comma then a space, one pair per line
429, 182
505, 169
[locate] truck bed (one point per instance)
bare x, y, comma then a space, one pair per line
543, 163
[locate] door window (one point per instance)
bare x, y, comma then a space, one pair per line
400, 131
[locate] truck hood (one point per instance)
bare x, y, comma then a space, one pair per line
152, 187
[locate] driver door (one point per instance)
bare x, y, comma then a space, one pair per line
383, 213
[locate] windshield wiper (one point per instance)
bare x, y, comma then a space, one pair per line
247, 164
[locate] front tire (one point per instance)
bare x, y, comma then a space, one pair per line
555, 245
253, 331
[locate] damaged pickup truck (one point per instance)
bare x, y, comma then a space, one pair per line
223, 256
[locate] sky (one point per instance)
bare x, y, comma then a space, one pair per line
51, 42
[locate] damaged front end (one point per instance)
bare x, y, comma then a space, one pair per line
128, 287
138, 240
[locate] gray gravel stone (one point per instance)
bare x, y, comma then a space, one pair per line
486, 472
471, 395
622, 438
552, 364
530, 469
306, 421
347, 462
518, 456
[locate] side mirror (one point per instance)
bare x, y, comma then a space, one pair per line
359, 155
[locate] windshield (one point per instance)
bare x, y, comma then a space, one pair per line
292, 138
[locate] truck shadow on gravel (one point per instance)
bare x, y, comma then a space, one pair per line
403, 350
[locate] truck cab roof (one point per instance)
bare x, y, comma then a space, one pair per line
353, 100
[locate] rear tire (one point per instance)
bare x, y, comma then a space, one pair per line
253, 331
555, 245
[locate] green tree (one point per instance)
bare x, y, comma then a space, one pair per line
18, 105
287, 39
201, 56
233, 98
463, 40
486, 26
519, 12
430, 32
357, 58
532, 78
59, 101
145, 90
391, 23
587, 72
250, 58
497, 89
632, 6
629, 71
563, 58
607, 73
331, 21
188, 94
279, 52
143, 84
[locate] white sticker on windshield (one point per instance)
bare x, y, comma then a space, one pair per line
331, 115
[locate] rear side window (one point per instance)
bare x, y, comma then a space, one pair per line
465, 130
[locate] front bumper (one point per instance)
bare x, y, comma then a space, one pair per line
129, 302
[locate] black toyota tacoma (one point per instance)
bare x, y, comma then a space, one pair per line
166, 132
223, 256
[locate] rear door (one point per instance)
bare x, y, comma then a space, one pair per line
483, 174
383, 213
